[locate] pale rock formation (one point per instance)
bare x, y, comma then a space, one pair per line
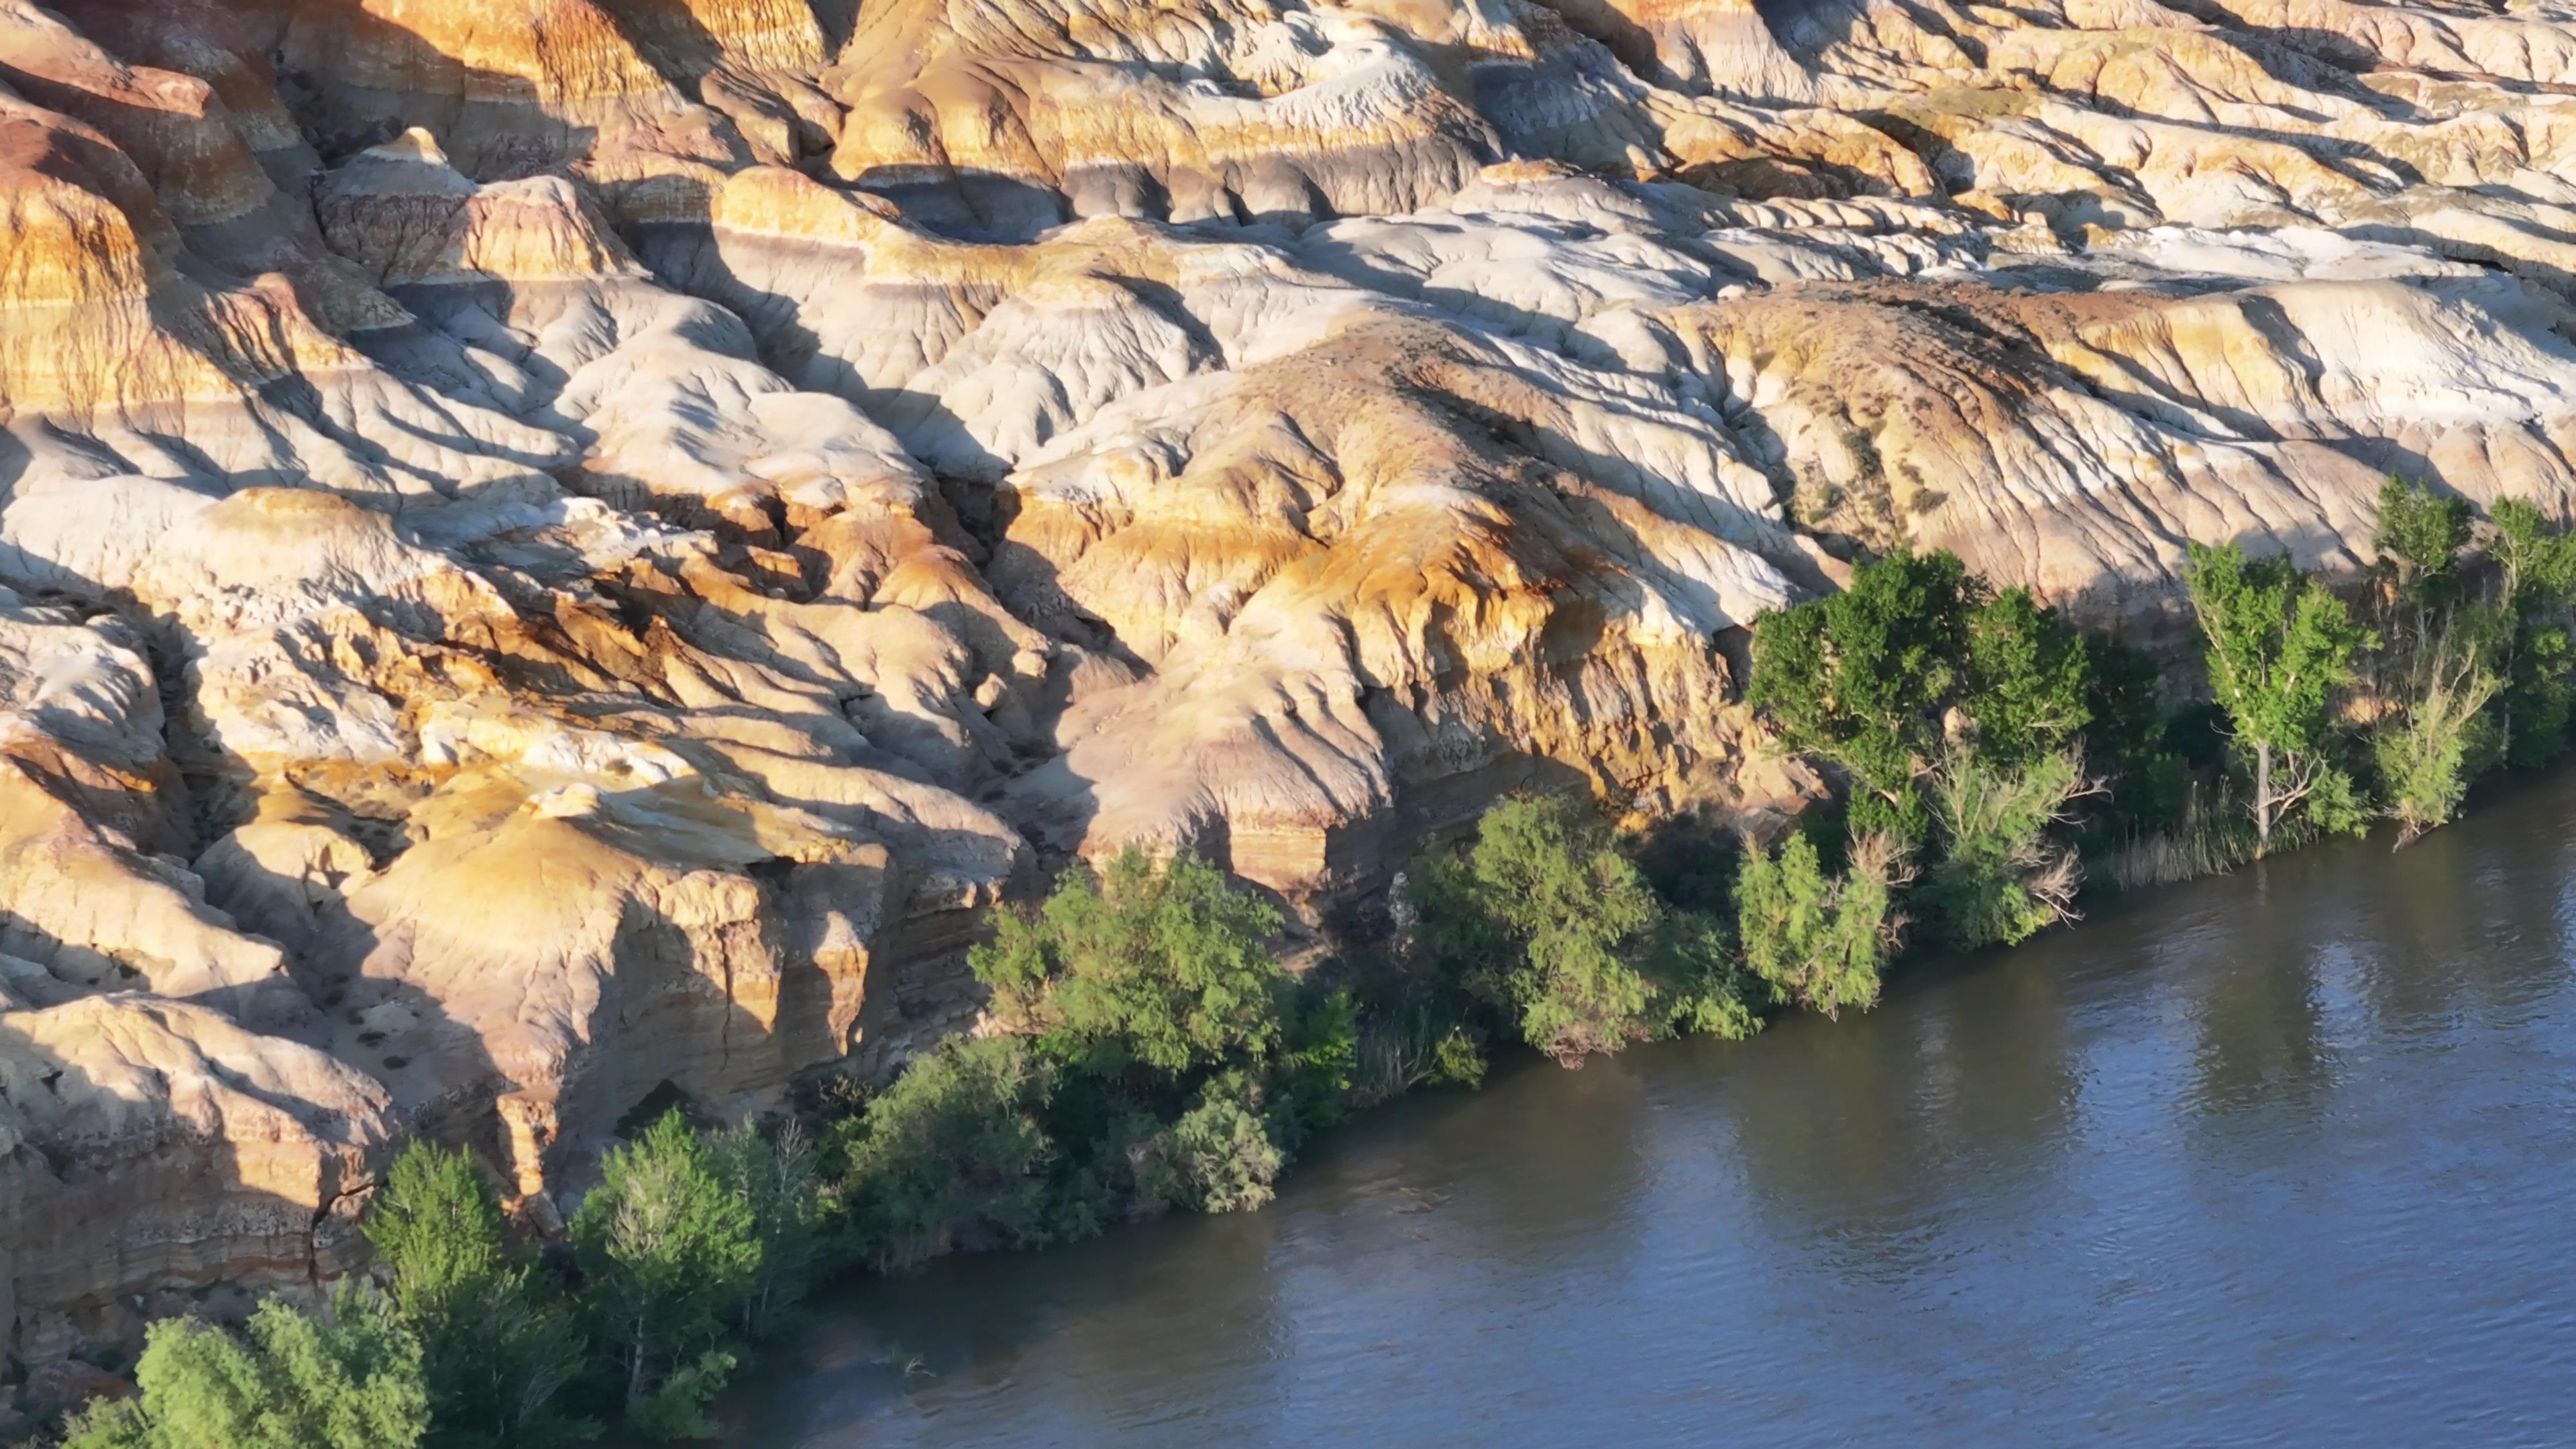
151, 1150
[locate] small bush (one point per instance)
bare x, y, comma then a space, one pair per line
1457, 1060
1219, 1157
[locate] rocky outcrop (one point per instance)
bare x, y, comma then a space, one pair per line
552, 549
153, 1151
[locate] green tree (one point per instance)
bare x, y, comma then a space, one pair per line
2002, 877
954, 1154
2419, 534
348, 1380
1167, 968
494, 1354
1875, 678
2535, 563
2281, 647
2428, 749
668, 1252
1547, 923
1816, 940
779, 1176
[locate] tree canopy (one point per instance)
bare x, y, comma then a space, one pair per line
1165, 967
495, 1353
2280, 648
1870, 679
350, 1379
1551, 925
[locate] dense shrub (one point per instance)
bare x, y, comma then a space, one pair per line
496, 1350
1875, 679
351, 1379
1160, 967
1220, 1156
2130, 743
1814, 939
1552, 928
952, 1155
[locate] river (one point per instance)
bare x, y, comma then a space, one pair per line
2283, 1158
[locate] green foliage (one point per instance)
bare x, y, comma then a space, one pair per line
2418, 535
779, 1177
2281, 647
668, 1251
350, 1380
107, 1424
2539, 694
2536, 556
2437, 739
1869, 679
1457, 1060
1164, 968
1548, 924
1816, 940
678, 1408
1316, 1067
1218, 1158
494, 1353
2001, 878
2128, 739
1694, 960
1859, 677
2030, 679
952, 1155
2535, 562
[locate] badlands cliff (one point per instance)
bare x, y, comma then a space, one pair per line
549, 547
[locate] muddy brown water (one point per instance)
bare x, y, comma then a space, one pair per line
2282, 1158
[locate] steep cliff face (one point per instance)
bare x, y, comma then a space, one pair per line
552, 548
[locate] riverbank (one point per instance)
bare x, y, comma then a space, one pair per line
2267, 1157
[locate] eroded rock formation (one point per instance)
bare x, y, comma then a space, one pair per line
552, 548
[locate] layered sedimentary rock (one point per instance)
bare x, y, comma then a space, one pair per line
154, 1150
549, 549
